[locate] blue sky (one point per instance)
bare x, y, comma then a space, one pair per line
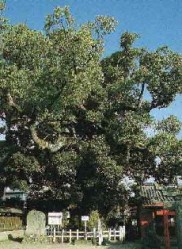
158, 22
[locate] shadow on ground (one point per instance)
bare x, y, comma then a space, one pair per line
15, 239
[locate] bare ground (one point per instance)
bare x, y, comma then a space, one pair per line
17, 245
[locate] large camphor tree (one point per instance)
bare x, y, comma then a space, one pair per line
76, 124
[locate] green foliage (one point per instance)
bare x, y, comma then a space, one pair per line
127, 40
93, 220
170, 125
130, 75
76, 124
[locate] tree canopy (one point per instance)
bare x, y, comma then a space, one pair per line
76, 124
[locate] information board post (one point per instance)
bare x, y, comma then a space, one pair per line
85, 219
85, 225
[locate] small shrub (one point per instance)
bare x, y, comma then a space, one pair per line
93, 219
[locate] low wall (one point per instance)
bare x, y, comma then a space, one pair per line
11, 234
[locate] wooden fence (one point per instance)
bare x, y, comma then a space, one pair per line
55, 233
10, 223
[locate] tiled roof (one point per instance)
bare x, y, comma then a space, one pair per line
156, 195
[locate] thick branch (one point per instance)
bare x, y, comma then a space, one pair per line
141, 95
60, 143
12, 103
157, 104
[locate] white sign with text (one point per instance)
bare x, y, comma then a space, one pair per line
55, 218
85, 218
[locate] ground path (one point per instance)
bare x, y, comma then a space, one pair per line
16, 245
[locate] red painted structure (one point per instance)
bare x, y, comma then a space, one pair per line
150, 215
154, 213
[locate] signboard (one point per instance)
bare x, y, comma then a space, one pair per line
55, 218
85, 218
